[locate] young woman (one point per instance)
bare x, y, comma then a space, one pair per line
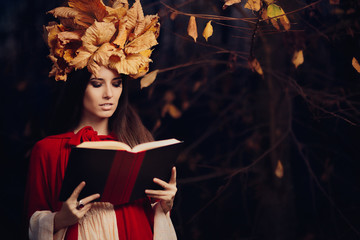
104, 114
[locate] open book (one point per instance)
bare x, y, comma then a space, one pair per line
117, 172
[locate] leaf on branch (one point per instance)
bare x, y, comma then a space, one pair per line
148, 79
298, 58
192, 29
229, 3
173, 16
356, 64
208, 30
173, 111
253, 5
255, 66
279, 171
275, 12
334, 2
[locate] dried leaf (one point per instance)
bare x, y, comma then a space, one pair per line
81, 59
255, 65
229, 3
279, 171
131, 64
192, 29
253, 5
208, 31
148, 79
96, 7
356, 64
97, 34
122, 36
298, 58
173, 111
142, 43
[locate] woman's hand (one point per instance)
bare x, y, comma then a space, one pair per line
167, 195
71, 212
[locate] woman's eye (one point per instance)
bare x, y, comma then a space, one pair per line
95, 84
117, 84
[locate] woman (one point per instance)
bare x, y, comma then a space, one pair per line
104, 100
110, 42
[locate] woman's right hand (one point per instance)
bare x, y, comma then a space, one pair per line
69, 213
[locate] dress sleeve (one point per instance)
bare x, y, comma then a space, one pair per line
39, 204
37, 192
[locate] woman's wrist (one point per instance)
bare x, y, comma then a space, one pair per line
58, 223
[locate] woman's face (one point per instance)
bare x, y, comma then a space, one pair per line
102, 94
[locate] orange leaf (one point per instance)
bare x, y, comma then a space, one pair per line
174, 111
356, 64
279, 171
255, 65
208, 31
192, 29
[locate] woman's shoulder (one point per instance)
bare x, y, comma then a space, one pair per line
53, 141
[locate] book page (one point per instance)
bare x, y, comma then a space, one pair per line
112, 145
155, 144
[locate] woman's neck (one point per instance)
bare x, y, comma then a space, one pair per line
100, 125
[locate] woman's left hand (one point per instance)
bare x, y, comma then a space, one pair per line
167, 195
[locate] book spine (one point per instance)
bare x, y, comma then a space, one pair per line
130, 182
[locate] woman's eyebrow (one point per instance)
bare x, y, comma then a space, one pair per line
117, 78
94, 78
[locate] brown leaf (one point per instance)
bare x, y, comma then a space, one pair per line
334, 2
131, 64
356, 64
298, 58
229, 3
253, 5
95, 7
279, 171
192, 29
148, 79
173, 16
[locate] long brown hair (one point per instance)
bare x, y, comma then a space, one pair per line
125, 123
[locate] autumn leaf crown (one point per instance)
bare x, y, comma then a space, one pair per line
91, 35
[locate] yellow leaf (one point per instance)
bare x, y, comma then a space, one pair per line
275, 12
148, 79
279, 171
356, 64
230, 2
142, 43
192, 29
81, 59
298, 58
255, 65
253, 5
208, 31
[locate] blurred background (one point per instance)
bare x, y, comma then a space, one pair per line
271, 154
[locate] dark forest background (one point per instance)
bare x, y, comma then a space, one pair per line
272, 156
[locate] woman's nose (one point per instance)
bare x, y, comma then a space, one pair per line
108, 92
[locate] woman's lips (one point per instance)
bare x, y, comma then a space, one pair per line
106, 106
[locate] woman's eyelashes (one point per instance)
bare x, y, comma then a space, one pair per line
117, 83
97, 83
